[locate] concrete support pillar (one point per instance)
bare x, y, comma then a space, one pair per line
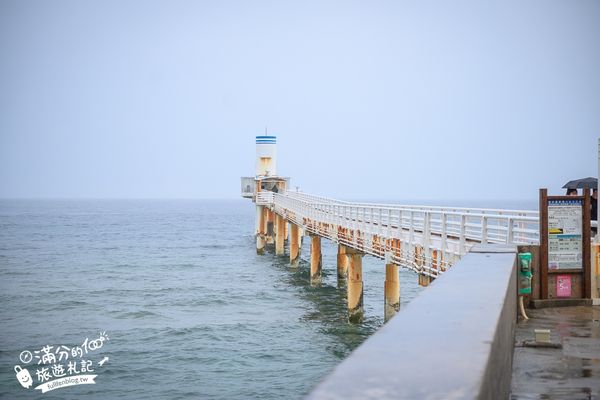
279, 235
286, 232
355, 287
270, 226
265, 220
294, 244
391, 291
342, 262
260, 224
425, 280
259, 220
315, 258
260, 244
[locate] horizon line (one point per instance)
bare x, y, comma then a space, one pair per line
353, 199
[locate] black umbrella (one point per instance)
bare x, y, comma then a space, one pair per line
589, 182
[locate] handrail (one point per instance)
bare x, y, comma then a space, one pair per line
422, 238
469, 210
264, 198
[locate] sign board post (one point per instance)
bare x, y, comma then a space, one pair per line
565, 234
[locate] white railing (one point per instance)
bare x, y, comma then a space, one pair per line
265, 198
422, 238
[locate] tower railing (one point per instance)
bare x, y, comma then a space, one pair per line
265, 198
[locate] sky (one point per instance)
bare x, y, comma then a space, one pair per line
391, 100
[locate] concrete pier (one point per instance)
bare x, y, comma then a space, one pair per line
391, 291
279, 235
294, 244
355, 286
315, 259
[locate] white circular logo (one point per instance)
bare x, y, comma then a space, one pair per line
26, 357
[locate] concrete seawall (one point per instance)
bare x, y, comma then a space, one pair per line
454, 341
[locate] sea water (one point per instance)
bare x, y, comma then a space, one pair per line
183, 304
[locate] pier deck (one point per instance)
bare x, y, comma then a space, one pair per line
571, 372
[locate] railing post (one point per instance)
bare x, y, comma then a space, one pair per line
411, 228
522, 237
444, 234
345, 208
510, 236
333, 218
399, 224
411, 238
426, 234
484, 229
463, 233
389, 224
354, 222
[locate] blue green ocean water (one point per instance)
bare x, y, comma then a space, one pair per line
190, 309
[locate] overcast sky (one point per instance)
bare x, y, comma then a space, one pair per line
369, 99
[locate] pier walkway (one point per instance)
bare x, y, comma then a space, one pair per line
424, 239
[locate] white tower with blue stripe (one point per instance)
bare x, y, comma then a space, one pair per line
266, 155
